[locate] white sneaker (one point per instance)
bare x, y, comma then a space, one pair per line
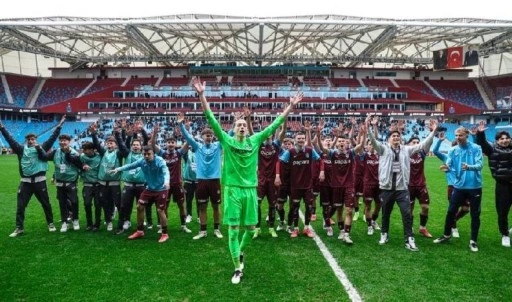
202, 234
370, 231
347, 239
237, 275
473, 246
281, 226
64, 227
110, 227
217, 233
16, 233
188, 219
383, 238
375, 226
76, 225
510, 231
505, 241
51, 227
159, 229
185, 229
411, 245
455, 233
126, 225
341, 235
330, 232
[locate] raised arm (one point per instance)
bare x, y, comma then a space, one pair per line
123, 149
362, 139
15, 146
154, 138
200, 88
427, 142
49, 142
437, 146
188, 137
481, 140
93, 130
307, 129
216, 127
378, 146
282, 133
248, 119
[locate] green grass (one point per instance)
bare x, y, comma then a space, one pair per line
82, 266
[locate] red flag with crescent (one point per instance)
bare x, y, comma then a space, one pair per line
455, 57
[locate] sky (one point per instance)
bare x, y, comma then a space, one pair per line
398, 9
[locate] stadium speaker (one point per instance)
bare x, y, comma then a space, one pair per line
150, 62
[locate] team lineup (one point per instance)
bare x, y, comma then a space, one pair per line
239, 170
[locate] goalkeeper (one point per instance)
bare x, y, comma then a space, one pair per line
239, 176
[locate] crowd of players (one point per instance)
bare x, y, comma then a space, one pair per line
333, 170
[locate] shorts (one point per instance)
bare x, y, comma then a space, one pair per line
157, 197
420, 193
371, 193
208, 189
343, 197
240, 206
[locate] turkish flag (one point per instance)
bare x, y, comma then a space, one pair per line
455, 57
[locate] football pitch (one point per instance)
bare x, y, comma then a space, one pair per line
101, 266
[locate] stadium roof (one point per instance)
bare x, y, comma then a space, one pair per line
178, 39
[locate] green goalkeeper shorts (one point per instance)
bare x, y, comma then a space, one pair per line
240, 206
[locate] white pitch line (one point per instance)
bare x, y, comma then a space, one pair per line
340, 274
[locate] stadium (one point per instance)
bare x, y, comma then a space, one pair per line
457, 71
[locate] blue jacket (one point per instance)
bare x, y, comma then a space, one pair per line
156, 172
471, 154
208, 156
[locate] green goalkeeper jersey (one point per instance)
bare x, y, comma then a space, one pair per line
240, 162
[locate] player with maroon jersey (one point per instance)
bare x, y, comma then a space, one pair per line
418, 185
268, 157
300, 159
282, 182
172, 156
342, 182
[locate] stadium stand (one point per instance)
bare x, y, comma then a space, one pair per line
20, 87
3, 96
175, 82
339, 82
462, 91
102, 84
58, 90
381, 83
